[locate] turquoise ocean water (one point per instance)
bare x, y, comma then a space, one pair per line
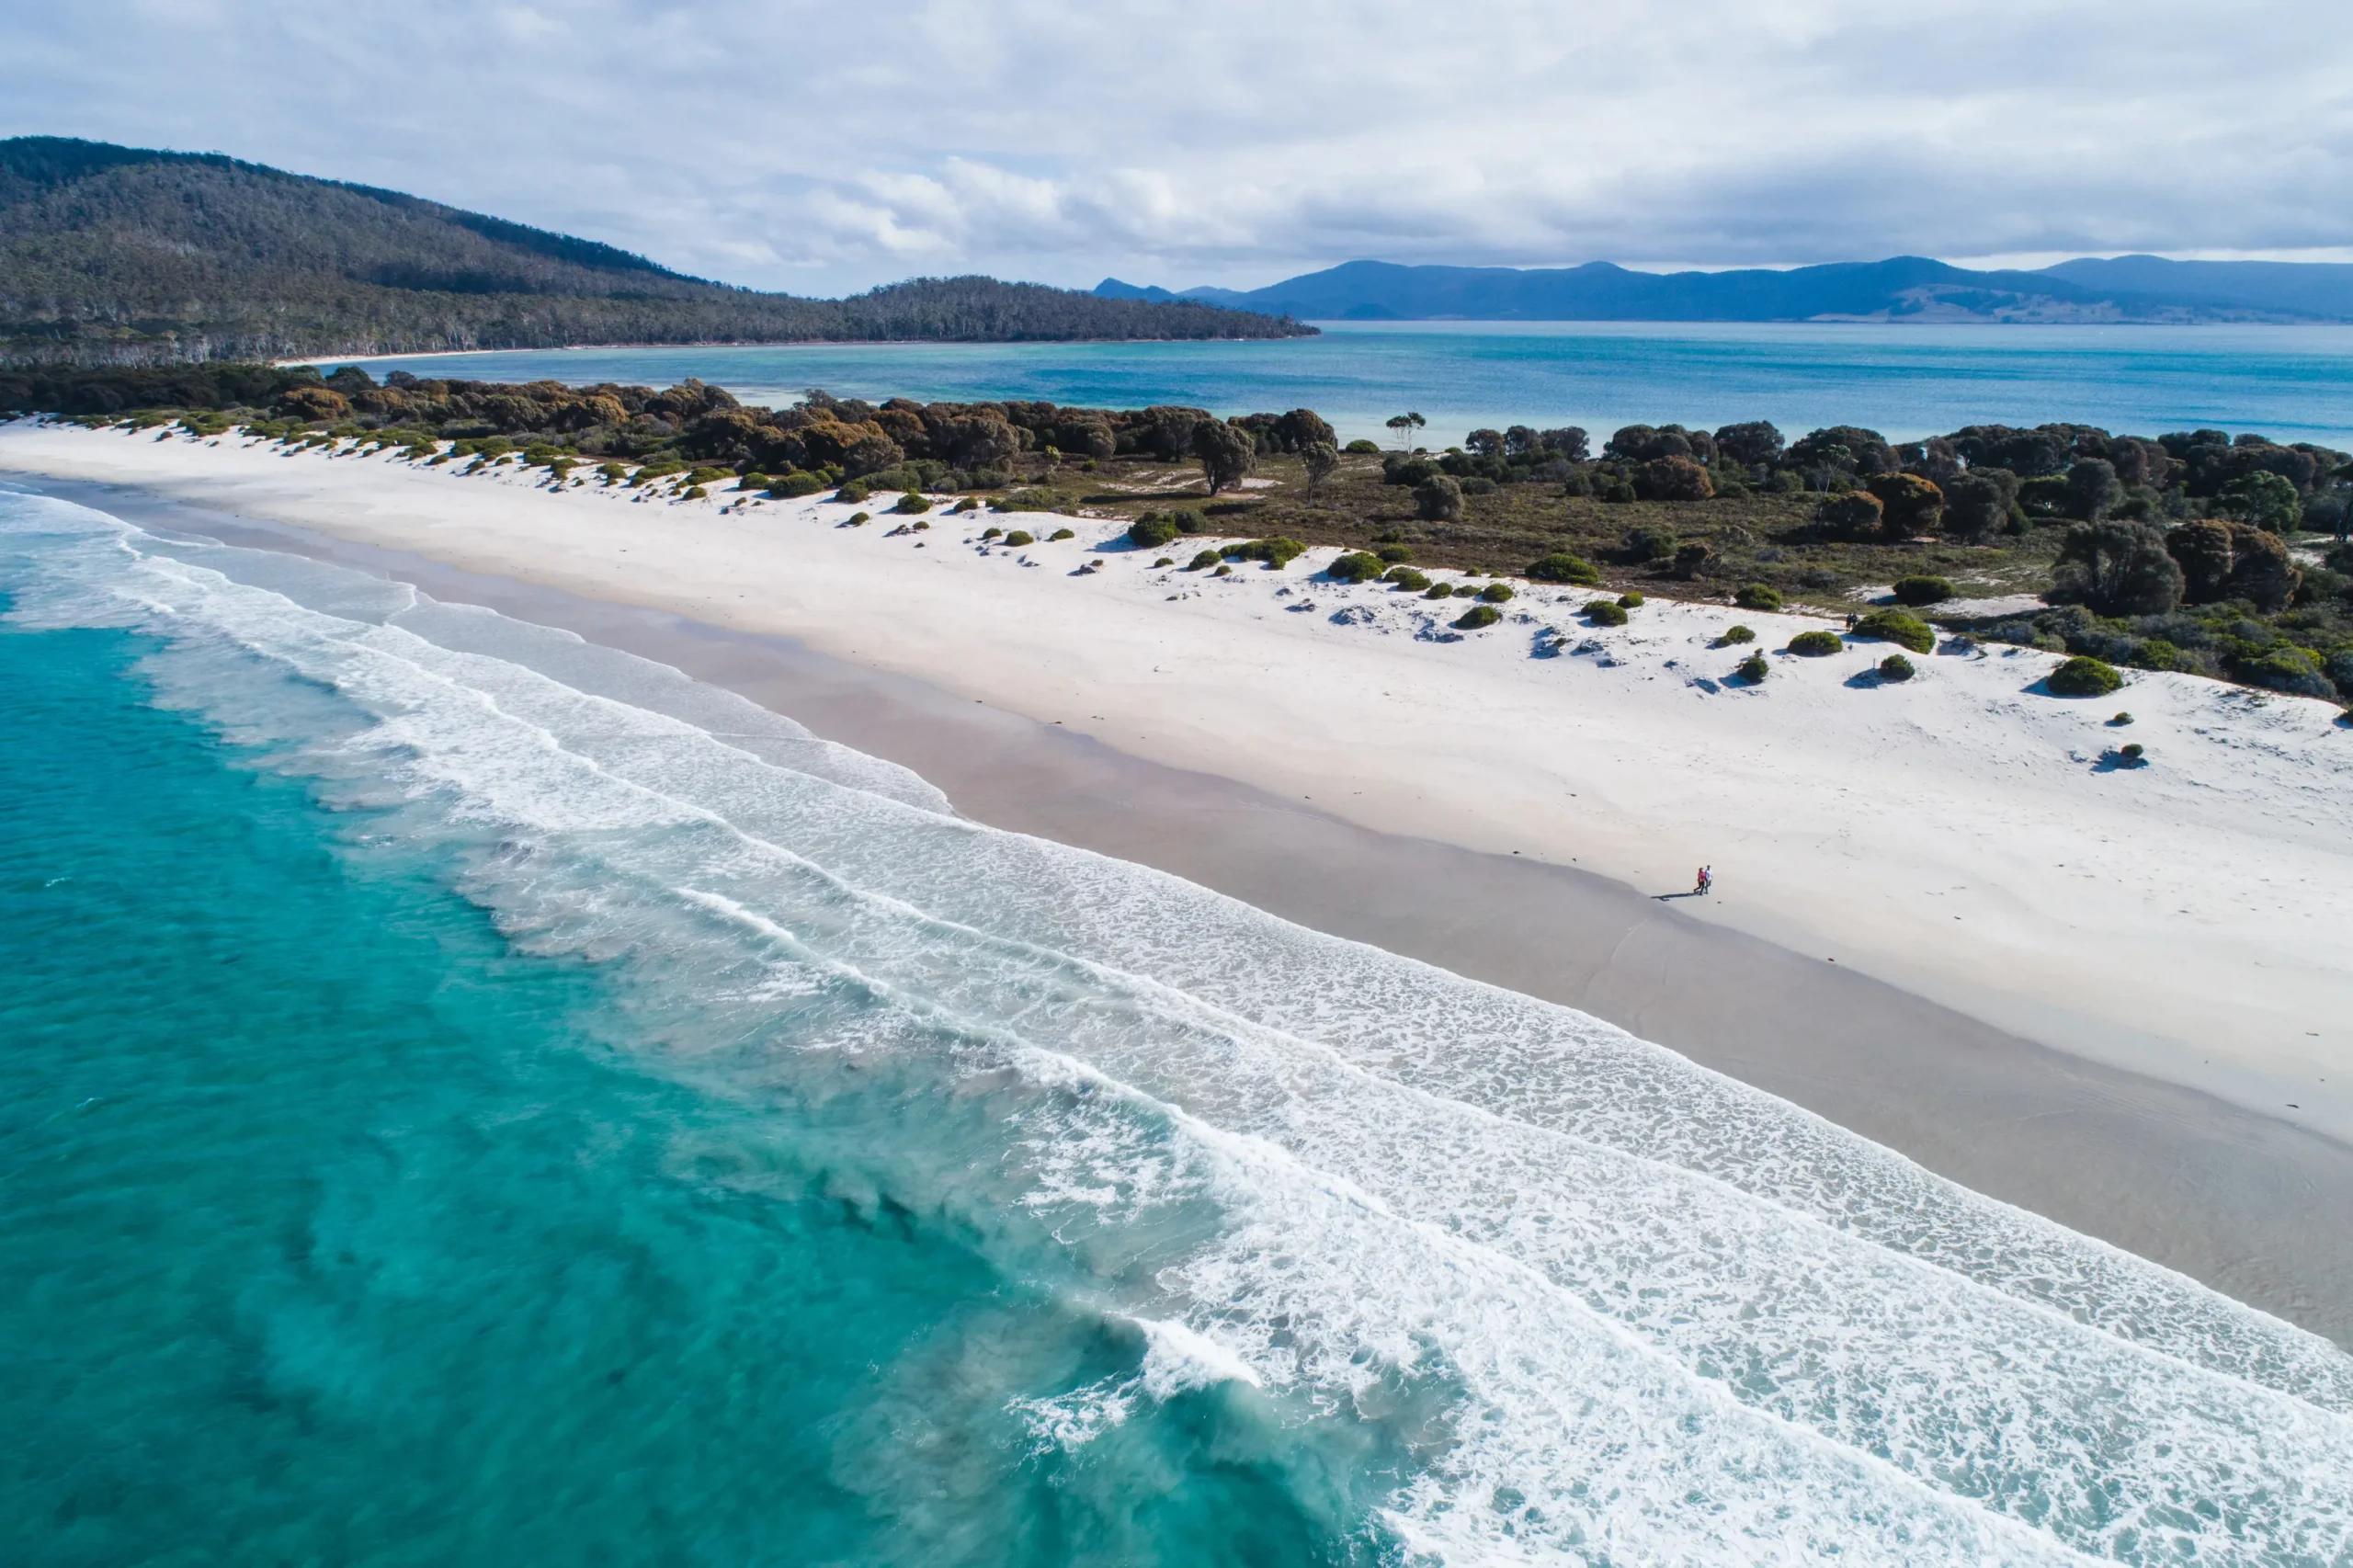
2290, 383
471, 1096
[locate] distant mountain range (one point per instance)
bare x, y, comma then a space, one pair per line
1904, 288
122, 256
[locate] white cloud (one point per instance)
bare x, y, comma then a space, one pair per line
828, 147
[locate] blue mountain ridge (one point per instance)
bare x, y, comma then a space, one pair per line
1904, 288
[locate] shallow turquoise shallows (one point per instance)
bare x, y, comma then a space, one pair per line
332, 1231
469, 1096
2289, 384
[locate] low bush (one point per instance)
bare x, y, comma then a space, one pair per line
1758, 595
1205, 558
1630, 601
2083, 677
990, 533
1222, 571
1562, 567
1816, 644
755, 480
1277, 552
1919, 592
1440, 591
1735, 634
912, 504
1895, 626
1753, 667
1476, 617
852, 493
1362, 445
1604, 612
2120, 720
967, 505
1394, 553
1164, 561
2131, 752
1407, 579
1895, 666
1060, 534
1496, 592
860, 520
1020, 537
695, 493
1356, 566
1151, 530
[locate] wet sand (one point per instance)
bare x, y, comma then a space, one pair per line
2254, 1207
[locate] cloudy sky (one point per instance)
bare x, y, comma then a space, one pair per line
827, 147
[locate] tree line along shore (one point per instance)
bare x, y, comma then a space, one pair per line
2189, 550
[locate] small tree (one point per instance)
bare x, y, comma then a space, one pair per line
2116, 568
1438, 498
1909, 505
1403, 426
1978, 502
1323, 460
2092, 489
2267, 500
1227, 454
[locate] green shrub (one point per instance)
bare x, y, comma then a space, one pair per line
1604, 612
1164, 561
1406, 578
1816, 644
1895, 666
1394, 553
1440, 591
1753, 667
795, 483
1223, 570
752, 481
2131, 752
921, 527
695, 493
2122, 719
989, 533
1562, 567
1206, 558
2156, 654
1895, 626
860, 520
1758, 595
1496, 592
1151, 530
1356, 566
1060, 534
1476, 617
704, 474
912, 504
612, 473
1362, 445
852, 493
967, 505
1735, 634
1277, 552
2083, 677
1918, 592
1018, 537
1630, 601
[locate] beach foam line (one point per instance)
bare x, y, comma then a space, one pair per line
1642, 1311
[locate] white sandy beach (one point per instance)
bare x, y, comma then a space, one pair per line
1960, 836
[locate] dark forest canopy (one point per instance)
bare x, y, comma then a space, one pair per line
119, 255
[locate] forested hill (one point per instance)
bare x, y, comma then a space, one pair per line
115, 254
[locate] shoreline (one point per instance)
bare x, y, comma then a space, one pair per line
2248, 1204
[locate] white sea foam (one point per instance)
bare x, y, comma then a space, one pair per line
1644, 1312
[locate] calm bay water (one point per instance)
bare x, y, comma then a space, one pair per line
2290, 383
468, 1096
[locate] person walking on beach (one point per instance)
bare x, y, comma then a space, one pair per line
1707, 879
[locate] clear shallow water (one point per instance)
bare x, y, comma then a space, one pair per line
2290, 383
471, 1092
